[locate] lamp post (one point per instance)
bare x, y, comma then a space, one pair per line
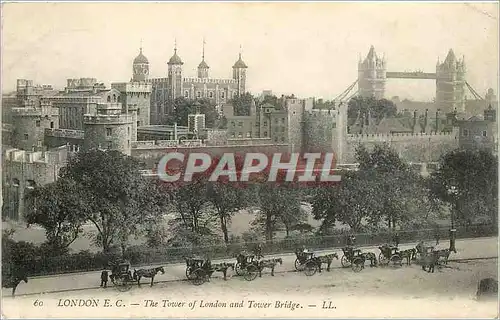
453, 192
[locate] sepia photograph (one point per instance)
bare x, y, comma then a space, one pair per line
249, 159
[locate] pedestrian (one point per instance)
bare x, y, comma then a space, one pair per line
104, 278
396, 239
436, 236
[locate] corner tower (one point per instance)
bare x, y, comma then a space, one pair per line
140, 68
203, 66
450, 84
372, 75
175, 76
240, 75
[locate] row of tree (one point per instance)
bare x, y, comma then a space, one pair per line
106, 189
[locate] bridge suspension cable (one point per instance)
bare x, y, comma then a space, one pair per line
474, 92
346, 92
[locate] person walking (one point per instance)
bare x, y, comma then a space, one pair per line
104, 278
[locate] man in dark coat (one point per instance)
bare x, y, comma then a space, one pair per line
104, 278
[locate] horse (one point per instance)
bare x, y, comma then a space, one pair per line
223, 267
408, 255
328, 259
269, 264
430, 260
13, 281
147, 273
371, 257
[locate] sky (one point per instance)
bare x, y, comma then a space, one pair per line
308, 49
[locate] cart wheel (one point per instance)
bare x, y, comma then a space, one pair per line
345, 262
396, 260
358, 264
382, 259
237, 268
298, 266
251, 273
197, 277
122, 285
310, 268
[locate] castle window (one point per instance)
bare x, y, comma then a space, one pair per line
52, 124
109, 131
138, 123
265, 123
232, 135
158, 109
240, 135
138, 111
222, 95
15, 182
484, 133
25, 136
30, 184
265, 134
186, 94
211, 94
109, 99
282, 139
465, 133
240, 124
37, 123
114, 98
110, 145
118, 99
39, 143
198, 94
249, 134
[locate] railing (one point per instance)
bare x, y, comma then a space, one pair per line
142, 255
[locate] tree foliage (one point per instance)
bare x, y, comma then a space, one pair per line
377, 108
183, 107
61, 209
467, 180
118, 199
242, 104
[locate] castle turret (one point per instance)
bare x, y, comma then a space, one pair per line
450, 84
140, 68
175, 75
239, 74
372, 76
108, 128
203, 66
490, 114
416, 123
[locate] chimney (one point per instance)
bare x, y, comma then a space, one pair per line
416, 123
426, 122
438, 129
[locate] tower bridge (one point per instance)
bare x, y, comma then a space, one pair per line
450, 80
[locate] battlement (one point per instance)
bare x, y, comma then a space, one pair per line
48, 157
210, 80
136, 87
152, 144
157, 80
35, 112
398, 136
65, 133
75, 99
107, 119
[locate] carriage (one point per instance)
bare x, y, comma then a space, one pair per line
353, 258
247, 266
390, 254
121, 276
198, 271
422, 251
306, 261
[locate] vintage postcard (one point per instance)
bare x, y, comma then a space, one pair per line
249, 160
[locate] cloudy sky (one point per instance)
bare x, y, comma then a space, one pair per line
310, 49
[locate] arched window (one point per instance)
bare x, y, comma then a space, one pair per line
109, 99
211, 94
114, 98
15, 182
186, 94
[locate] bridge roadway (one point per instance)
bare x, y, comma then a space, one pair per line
477, 248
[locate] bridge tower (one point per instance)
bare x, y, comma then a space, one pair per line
372, 75
450, 84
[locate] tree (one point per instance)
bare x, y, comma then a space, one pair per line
276, 202
61, 209
118, 199
377, 108
227, 200
467, 180
184, 107
242, 104
190, 200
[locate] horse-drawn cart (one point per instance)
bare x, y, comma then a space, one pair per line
390, 254
352, 258
307, 262
121, 276
198, 271
247, 266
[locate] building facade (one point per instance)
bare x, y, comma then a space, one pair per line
372, 75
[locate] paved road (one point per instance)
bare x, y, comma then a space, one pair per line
467, 249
